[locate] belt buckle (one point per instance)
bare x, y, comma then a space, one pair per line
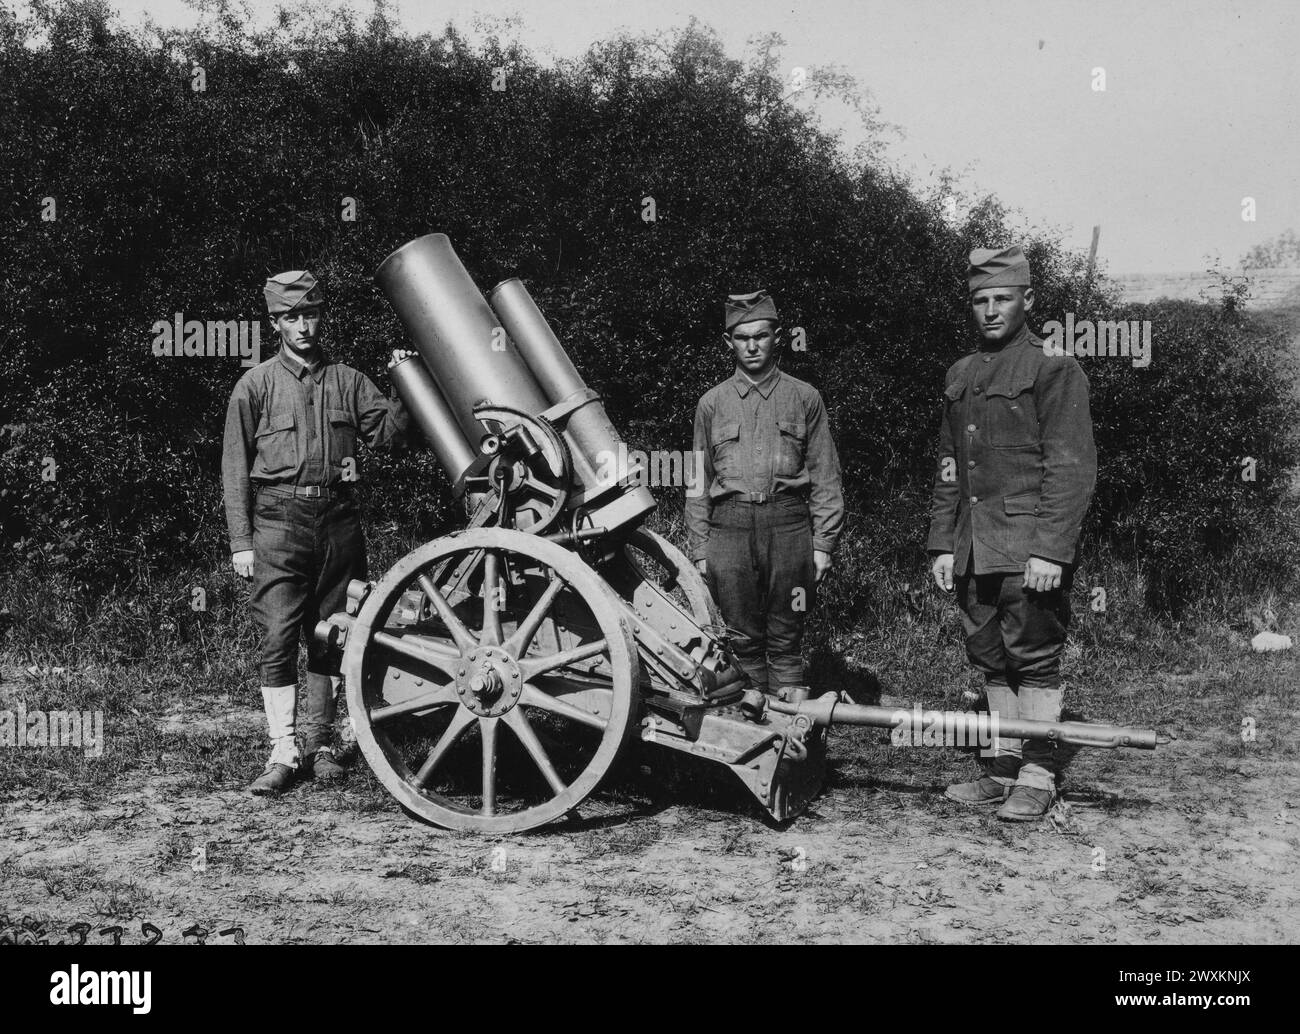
311, 491
758, 497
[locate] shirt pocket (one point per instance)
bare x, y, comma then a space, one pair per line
1025, 505
791, 447
1010, 414
342, 431
724, 442
277, 446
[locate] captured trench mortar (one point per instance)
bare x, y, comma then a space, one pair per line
495, 674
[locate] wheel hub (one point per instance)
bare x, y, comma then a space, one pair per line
488, 681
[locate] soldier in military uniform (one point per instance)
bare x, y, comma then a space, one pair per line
764, 530
1017, 468
288, 473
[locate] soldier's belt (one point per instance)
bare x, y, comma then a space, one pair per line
307, 491
763, 498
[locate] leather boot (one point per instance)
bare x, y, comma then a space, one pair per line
1026, 804
980, 793
990, 788
323, 766
274, 781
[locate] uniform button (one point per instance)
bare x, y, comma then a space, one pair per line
987, 358
978, 390
970, 428
974, 499
970, 463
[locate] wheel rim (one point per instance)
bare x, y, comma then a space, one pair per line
508, 630
686, 577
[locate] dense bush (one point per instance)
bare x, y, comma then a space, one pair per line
171, 199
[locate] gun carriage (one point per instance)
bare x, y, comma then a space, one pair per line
494, 675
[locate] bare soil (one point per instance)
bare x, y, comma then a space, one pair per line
1194, 843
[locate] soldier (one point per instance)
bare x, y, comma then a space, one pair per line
1017, 467
288, 471
764, 528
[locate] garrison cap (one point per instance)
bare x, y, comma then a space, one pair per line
745, 308
998, 267
296, 289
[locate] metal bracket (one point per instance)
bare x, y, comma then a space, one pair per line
561, 410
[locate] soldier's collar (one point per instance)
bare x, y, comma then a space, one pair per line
765, 387
1022, 335
300, 369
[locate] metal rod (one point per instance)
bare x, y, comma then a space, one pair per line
972, 727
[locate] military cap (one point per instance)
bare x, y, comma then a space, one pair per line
998, 267
745, 308
296, 289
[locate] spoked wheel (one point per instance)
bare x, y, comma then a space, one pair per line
491, 680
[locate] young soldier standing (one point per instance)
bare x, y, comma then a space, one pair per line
1017, 468
288, 472
764, 528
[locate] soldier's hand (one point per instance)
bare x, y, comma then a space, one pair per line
243, 563
702, 566
399, 354
942, 571
1042, 575
821, 563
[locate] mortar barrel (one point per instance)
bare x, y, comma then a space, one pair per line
418, 392
600, 457
464, 347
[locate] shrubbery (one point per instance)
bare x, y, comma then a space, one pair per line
175, 200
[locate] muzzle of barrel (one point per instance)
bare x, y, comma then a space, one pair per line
509, 359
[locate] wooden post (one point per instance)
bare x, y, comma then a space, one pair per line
1092, 265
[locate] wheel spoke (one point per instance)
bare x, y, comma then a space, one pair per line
542, 488
460, 721
531, 667
425, 651
487, 728
455, 626
439, 697
491, 611
519, 725
517, 645
534, 697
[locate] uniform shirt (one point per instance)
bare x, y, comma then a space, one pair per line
1017, 463
757, 440
288, 424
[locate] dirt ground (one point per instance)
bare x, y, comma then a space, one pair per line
1194, 843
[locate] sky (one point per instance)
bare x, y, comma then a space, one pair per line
1200, 111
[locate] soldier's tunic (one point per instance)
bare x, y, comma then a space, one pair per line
291, 433
773, 496
1017, 469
